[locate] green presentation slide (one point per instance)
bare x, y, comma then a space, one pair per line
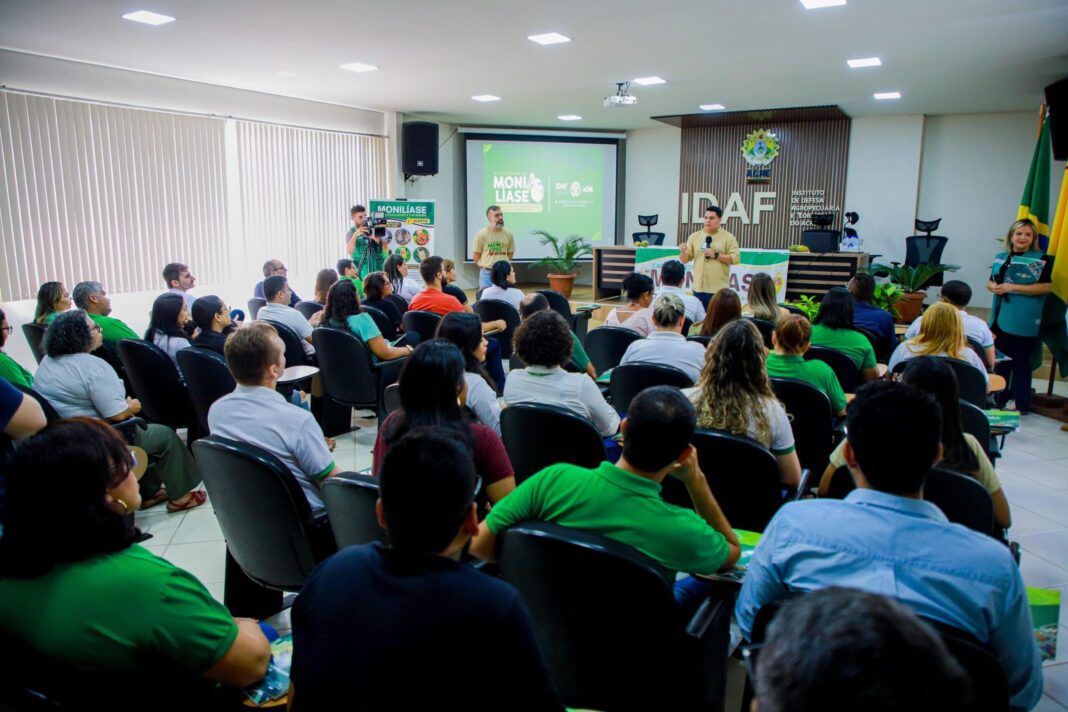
561, 187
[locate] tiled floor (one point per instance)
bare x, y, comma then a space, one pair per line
1033, 471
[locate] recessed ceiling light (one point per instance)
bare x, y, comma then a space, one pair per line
865, 62
883, 95
486, 97
149, 18
358, 67
648, 81
287, 74
711, 107
549, 38
816, 4
569, 117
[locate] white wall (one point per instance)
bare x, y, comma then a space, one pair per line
652, 181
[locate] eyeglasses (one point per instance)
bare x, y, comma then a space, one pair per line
8, 329
95, 327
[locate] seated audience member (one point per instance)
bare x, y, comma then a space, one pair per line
941, 334
212, 317
257, 414
91, 297
734, 394
396, 270
883, 538
672, 275
959, 294
376, 287
543, 342
279, 297
77, 383
724, 308
325, 280
503, 288
871, 318
536, 302
791, 341
840, 648
623, 502
961, 452
760, 302
52, 299
76, 588
637, 315
273, 268
166, 326
448, 285
180, 280
465, 331
412, 606
9, 368
432, 299
433, 391
20, 417
833, 329
342, 311
666, 345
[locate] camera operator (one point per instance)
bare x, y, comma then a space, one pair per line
366, 248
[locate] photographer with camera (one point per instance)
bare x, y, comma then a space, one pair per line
366, 242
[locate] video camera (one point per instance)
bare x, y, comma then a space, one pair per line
376, 223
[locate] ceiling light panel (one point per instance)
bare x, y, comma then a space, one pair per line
649, 81
884, 95
148, 18
569, 117
865, 62
549, 38
711, 107
358, 67
817, 4
486, 97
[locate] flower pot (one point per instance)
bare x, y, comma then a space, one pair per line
909, 307
562, 283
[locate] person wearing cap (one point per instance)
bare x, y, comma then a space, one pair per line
666, 345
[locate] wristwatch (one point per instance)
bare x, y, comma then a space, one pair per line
715, 256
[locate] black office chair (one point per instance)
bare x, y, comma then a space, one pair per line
110, 355
841, 484
766, 329
397, 301
926, 248
653, 238
349, 378
842, 365
962, 499
630, 379
978, 349
493, 309
385, 326
703, 340
597, 648
974, 422
350, 501
578, 321
423, 323
295, 354
164, 397
537, 436
391, 398
208, 379
34, 334
877, 345
606, 345
811, 420
971, 381
308, 308
254, 305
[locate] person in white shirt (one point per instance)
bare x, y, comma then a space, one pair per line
503, 288
941, 334
179, 281
257, 414
543, 342
278, 295
672, 275
667, 345
465, 330
396, 270
959, 294
166, 326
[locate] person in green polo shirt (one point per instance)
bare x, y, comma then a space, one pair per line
623, 502
346, 269
535, 302
791, 341
9, 368
91, 297
833, 329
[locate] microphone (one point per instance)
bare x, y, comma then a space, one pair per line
708, 245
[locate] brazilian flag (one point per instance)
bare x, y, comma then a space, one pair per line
1034, 205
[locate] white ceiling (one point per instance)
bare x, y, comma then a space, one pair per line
944, 56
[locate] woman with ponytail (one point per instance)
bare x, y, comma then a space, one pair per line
791, 341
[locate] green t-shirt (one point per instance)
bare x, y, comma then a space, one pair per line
853, 344
129, 611
112, 329
358, 283
363, 325
818, 373
13, 372
578, 354
618, 504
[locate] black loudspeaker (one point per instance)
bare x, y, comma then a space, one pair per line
1057, 102
419, 148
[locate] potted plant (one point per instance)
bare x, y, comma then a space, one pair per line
563, 263
807, 304
912, 281
887, 296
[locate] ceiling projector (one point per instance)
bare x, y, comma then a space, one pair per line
621, 98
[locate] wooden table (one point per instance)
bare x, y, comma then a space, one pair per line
900, 329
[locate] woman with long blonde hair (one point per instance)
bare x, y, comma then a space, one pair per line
734, 394
941, 334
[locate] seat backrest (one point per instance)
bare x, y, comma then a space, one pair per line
842, 483
842, 365
977, 348
970, 380
50, 412
391, 398
703, 340
811, 420
350, 501
766, 329
110, 355
877, 347
989, 683
344, 365
921, 249
156, 383
308, 308
656, 238
423, 323
974, 422
262, 511
295, 354
961, 498
397, 301
254, 305
537, 436
34, 334
208, 379
385, 326
493, 309
557, 302
630, 379
606, 345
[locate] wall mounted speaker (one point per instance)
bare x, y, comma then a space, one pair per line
419, 148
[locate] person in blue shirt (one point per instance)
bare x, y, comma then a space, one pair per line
883, 538
871, 318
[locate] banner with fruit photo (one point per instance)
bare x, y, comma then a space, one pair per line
649, 260
409, 229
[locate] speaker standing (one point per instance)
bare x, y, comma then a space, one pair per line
493, 243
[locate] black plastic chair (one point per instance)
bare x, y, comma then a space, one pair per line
493, 309
537, 436
423, 323
962, 499
254, 305
295, 353
397, 301
385, 326
597, 648
391, 398
110, 355
578, 321
208, 379
842, 365
156, 383
606, 345
811, 420
308, 309
350, 501
703, 340
974, 422
766, 329
34, 334
349, 378
881, 354
970, 380
978, 349
630, 379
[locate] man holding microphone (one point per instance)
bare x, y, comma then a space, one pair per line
493, 243
713, 251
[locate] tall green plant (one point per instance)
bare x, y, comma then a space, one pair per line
911, 279
566, 252
886, 296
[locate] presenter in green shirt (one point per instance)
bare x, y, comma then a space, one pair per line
791, 341
712, 250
